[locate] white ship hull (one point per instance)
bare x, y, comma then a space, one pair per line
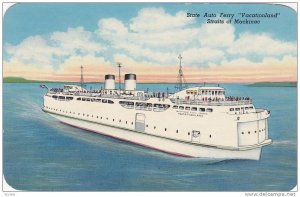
171, 146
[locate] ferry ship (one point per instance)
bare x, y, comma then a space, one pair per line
191, 122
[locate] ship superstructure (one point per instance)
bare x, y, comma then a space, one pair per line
192, 122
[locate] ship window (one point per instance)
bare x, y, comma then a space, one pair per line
165, 129
202, 109
132, 123
97, 117
79, 99
231, 109
248, 132
126, 122
213, 93
209, 110
146, 125
188, 133
69, 98
55, 97
93, 100
119, 120
98, 100
251, 107
194, 109
61, 98
110, 101
83, 99
237, 109
177, 131
127, 104
181, 107
187, 108
154, 127
113, 119
160, 107
104, 101
246, 108
88, 99
209, 136
175, 107
243, 133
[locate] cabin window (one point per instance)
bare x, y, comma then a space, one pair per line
237, 109
88, 99
187, 108
165, 129
181, 107
69, 98
213, 93
231, 109
61, 98
104, 101
160, 107
83, 99
175, 107
110, 102
79, 99
209, 110
202, 109
55, 97
251, 107
93, 100
246, 108
194, 109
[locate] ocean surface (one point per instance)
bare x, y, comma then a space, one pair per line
42, 154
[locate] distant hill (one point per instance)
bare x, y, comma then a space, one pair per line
274, 84
18, 80
23, 80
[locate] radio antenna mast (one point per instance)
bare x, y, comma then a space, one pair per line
181, 83
81, 78
119, 66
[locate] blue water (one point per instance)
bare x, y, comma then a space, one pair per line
41, 154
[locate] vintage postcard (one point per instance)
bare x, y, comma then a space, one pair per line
150, 97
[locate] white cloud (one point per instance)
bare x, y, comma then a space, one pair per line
75, 40
153, 38
198, 56
52, 50
157, 20
112, 29
262, 45
216, 35
33, 50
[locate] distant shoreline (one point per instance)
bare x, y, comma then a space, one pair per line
258, 84
273, 84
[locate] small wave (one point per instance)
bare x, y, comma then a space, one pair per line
284, 142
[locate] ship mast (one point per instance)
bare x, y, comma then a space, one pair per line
81, 78
119, 66
181, 83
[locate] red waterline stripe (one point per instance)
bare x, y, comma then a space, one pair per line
121, 139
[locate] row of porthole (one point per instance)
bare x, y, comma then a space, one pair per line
87, 115
154, 127
254, 131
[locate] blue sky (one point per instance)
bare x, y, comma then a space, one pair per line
106, 32
26, 19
